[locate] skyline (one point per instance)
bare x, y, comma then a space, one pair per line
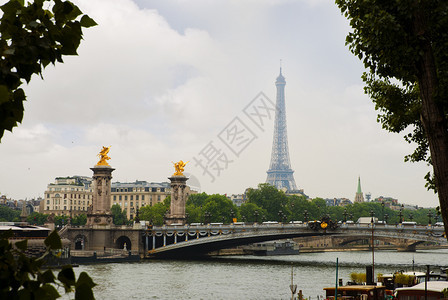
161, 81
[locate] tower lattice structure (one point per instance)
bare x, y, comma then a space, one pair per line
280, 173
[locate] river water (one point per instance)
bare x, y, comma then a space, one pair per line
246, 277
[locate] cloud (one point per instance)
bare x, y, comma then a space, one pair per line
160, 80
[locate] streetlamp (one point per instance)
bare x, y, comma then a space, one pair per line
345, 215
207, 217
386, 216
429, 218
232, 215
382, 207
280, 213
256, 216
401, 214
305, 216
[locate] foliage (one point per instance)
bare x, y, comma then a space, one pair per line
8, 214
217, 208
79, 220
404, 44
36, 218
250, 212
358, 277
269, 198
60, 221
404, 279
23, 277
119, 216
197, 199
31, 37
154, 214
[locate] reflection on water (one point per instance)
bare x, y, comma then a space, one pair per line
245, 277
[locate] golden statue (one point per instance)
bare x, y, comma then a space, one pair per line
103, 156
179, 166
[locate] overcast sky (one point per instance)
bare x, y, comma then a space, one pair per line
163, 81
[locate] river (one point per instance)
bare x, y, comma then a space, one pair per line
246, 277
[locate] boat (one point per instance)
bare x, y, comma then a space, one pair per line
356, 292
434, 290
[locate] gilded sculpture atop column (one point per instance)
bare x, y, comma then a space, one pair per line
103, 156
179, 167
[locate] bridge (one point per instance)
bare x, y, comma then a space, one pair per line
195, 240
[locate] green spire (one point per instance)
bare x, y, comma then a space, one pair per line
359, 186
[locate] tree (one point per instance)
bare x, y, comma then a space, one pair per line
269, 198
32, 37
118, 215
8, 214
252, 213
404, 46
79, 220
36, 218
219, 208
155, 213
23, 277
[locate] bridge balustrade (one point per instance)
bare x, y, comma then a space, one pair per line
168, 237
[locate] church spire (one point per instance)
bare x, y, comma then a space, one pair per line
359, 196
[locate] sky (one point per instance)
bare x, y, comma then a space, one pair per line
163, 81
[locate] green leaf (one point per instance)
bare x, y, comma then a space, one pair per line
86, 21
22, 245
50, 292
53, 241
67, 277
4, 94
84, 287
84, 279
47, 277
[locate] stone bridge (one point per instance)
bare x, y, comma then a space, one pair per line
188, 240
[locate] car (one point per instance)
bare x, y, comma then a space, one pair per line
439, 224
295, 222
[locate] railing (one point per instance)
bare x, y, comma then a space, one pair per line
106, 253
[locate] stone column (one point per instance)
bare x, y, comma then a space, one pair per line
178, 200
99, 212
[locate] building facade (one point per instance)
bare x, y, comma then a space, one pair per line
68, 196
133, 195
71, 196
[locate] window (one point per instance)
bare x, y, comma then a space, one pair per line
132, 197
136, 197
48, 201
48, 195
65, 201
143, 197
119, 197
65, 207
48, 207
125, 198
132, 203
115, 197
158, 198
65, 196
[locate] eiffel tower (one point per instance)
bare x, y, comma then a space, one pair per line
280, 173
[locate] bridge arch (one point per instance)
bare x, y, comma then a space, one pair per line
121, 241
81, 242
